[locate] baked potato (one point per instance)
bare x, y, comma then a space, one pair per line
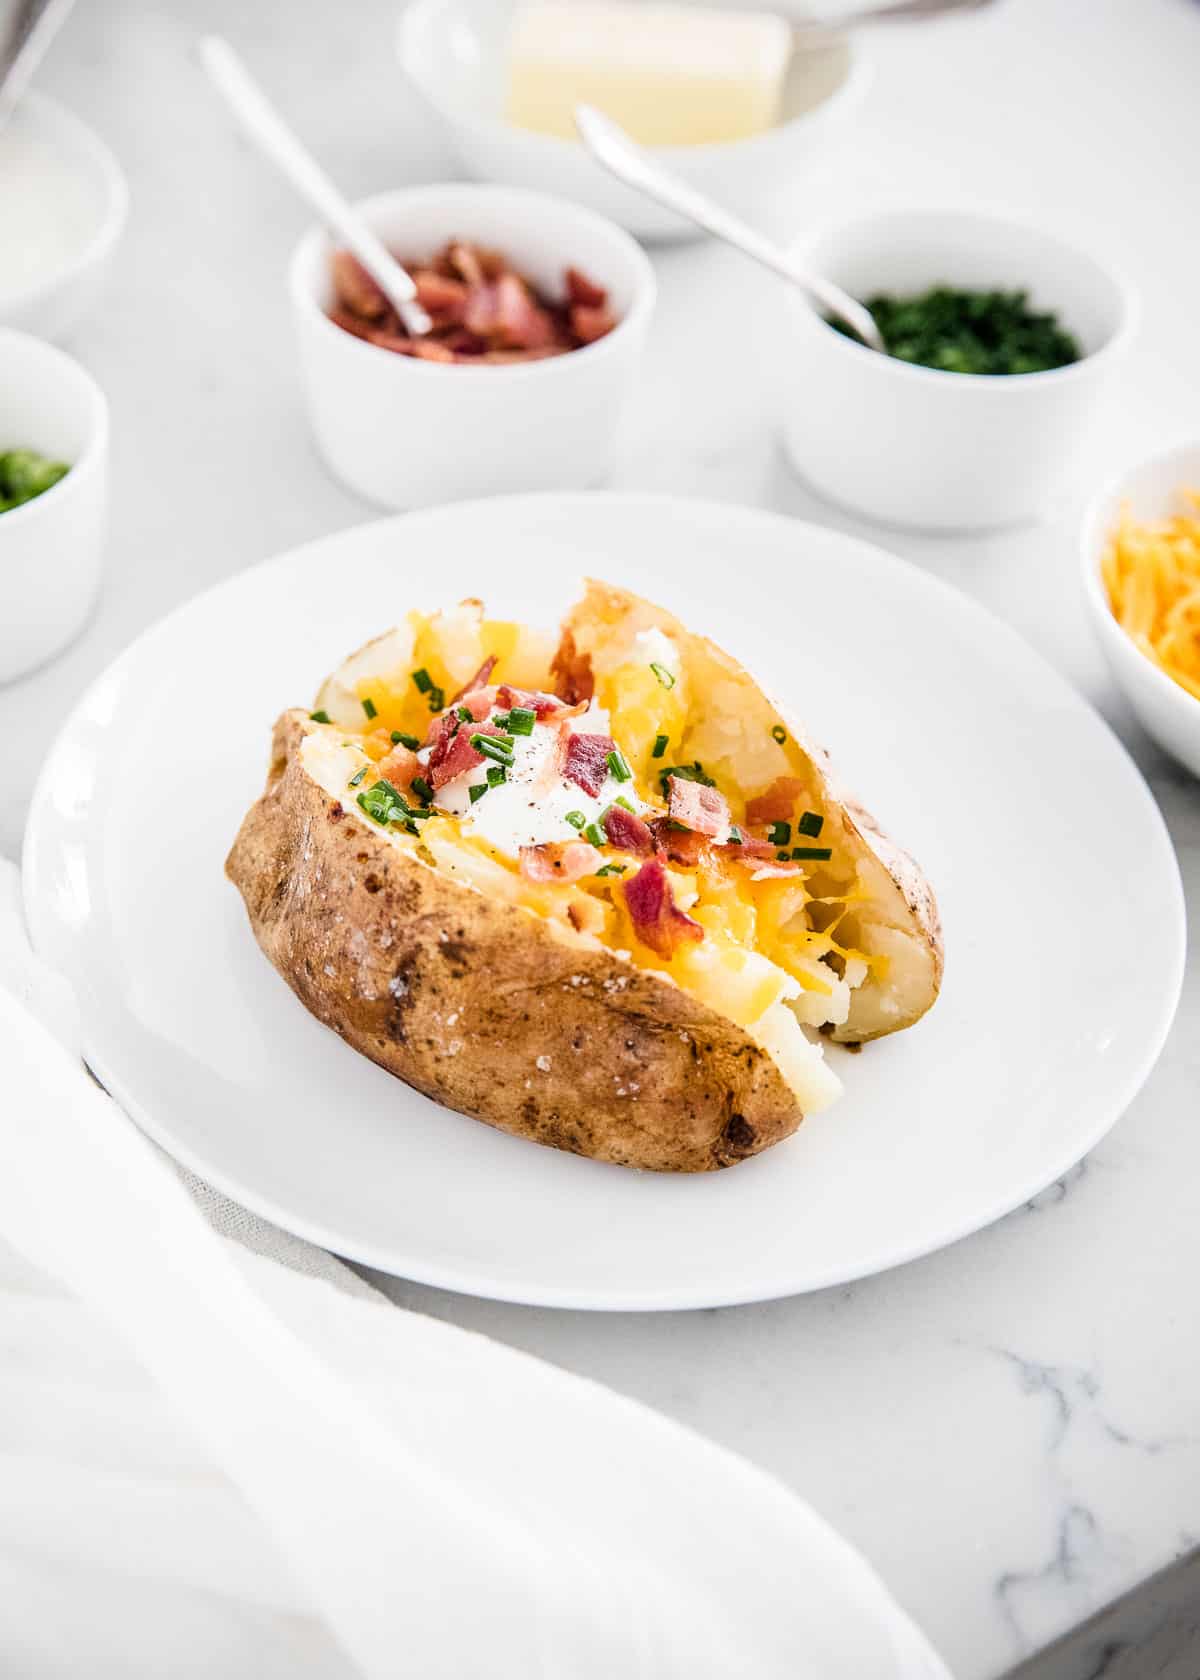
593, 888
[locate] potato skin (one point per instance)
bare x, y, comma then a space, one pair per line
485, 1006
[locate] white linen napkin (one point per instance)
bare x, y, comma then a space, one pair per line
362, 1490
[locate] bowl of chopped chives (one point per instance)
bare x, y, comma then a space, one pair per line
53, 481
1001, 337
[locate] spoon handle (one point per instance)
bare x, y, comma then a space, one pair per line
32, 31
264, 125
612, 147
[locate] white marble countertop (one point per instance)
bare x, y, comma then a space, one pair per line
1011, 1429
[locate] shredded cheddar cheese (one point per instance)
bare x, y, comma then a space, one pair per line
1152, 575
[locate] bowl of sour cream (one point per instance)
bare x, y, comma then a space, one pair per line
63, 204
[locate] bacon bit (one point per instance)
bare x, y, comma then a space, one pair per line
657, 920
479, 680
777, 803
482, 310
358, 325
775, 871
751, 847
582, 290
627, 830
429, 350
399, 767
587, 761
466, 260
355, 290
572, 671
440, 295
680, 844
559, 860
700, 808
590, 324
586, 914
545, 705
453, 753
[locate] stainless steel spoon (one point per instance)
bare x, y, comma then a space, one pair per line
610, 145
264, 125
32, 27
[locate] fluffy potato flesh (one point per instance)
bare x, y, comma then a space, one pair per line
678, 1050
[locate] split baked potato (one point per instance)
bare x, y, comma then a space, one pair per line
592, 888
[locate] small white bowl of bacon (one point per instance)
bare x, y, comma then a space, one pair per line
539, 313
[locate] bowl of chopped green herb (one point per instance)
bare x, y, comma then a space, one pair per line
1001, 337
53, 479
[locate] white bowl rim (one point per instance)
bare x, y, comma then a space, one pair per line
1092, 532
848, 90
63, 119
1117, 341
97, 438
645, 285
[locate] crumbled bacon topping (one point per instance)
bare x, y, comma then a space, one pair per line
587, 761
482, 310
702, 809
559, 860
777, 803
545, 705
627, 830
681, 845
657, 920
453, 753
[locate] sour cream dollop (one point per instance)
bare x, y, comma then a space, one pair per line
530, 807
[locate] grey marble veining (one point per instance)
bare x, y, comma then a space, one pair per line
1010, 1430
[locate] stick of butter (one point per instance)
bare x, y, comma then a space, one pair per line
670, 75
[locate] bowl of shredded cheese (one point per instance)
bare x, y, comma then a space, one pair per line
1141, 562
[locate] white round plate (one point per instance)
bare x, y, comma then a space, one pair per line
1059, 890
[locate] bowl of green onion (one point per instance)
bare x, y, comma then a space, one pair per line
1001, 337
53, 480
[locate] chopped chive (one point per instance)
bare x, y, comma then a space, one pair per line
819, 852
464, 714
492, 748
576, 819
381, 802
780, 833
496, 773
735, 835
619, 765
810, 823
400, 739
521, 720
422, 789
423, 680
437, 699
660, 746
478, 791
370, 707
354, 780
665, 677
611, 869
595, 834
320, 717
500, 719
780, 733
783, 856
625, 805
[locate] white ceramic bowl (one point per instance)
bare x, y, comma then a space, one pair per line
405, 433
455, 53
917, 447
51, 547
1167, 712
95, 209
